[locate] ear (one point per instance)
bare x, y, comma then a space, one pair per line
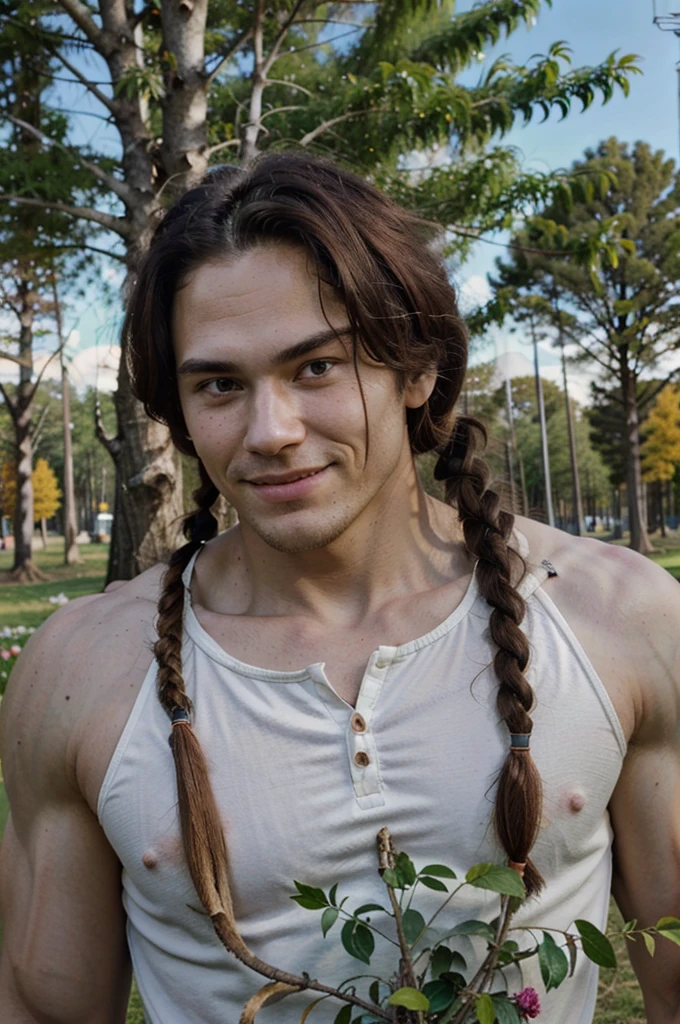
419, 389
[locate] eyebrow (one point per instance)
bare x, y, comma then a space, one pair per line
286, 355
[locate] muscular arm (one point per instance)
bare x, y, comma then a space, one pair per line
645, 807
64, 958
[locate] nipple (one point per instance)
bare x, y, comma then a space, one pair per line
149, 859
576, 801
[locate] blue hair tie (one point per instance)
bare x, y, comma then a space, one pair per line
180, 717
519, 740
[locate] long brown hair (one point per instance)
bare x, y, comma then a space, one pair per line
402, 309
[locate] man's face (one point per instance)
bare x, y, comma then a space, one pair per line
273, 405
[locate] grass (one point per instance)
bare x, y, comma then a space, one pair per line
27, 604
619, 1002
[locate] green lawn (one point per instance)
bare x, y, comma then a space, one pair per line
27, 605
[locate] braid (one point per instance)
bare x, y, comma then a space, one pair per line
487, 528
202, 833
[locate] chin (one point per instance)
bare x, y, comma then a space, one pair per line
292, 539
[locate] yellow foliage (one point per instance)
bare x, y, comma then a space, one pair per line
661, 447
46, 493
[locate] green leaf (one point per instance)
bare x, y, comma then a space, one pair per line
475, 928
413, 924
649, 943
669, 927
497, 878
393, 879
366, 908
506, 1012
440, 995
364, 943
406, 868
312, 893
433, 883
438, 870
484, 1008
596, 946
332, 895
344, 1016
358, 941
410, 999
308, 903
374, 991
553, 962
328, 919
440, 961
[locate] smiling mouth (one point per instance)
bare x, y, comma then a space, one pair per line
282, 481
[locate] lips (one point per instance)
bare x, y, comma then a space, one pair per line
287, 487
285, 478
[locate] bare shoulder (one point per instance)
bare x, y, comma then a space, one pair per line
625, 610
76, 680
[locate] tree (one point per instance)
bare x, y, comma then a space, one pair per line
46, 496
618, 310
46, 493
364, 83
661, 445
36, 242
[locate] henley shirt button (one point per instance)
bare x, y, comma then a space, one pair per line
362, 759
358, 723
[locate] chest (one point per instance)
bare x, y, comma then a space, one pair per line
289, 644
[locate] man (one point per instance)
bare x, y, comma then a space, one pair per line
352, 654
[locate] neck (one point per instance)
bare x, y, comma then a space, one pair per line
404, 543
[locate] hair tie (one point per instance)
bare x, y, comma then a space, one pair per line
518, 866
519, 740
180, 717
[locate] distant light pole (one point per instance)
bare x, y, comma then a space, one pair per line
668, 21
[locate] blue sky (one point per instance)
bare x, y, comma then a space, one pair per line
593, 28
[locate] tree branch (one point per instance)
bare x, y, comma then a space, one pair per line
106, 220
290, 85
222, 145
37, 430
107, 101
280, 110
240, 42
20, 360
278, 42
112, 444
119, 188
84, 20
92, 248
310, 136
8, 402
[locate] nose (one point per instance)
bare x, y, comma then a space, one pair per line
274, 420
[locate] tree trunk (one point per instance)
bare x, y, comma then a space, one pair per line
24, 570
148, 505
71, 553
639, 539
575, 482
544, 433
43, 532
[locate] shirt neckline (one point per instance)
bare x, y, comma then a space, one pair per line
217, 653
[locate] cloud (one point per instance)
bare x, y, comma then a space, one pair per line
474, 292
96, 366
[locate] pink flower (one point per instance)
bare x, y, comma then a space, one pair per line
527, 1003
14, 650
5, 655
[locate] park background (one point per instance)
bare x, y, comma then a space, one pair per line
506, 125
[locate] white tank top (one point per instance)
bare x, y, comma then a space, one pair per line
296, 805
